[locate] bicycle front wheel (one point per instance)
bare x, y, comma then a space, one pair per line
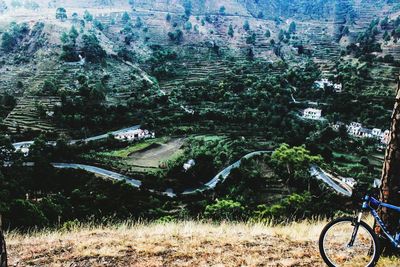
336, 249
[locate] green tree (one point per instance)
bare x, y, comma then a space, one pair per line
292, 27
176, 36
26, 214
98, 25
187, 4
75, 18
138, 23
87, 16
225, 210
6, 149
69, 51
188, 26
251, 39
92, 49
386, 36
267, 33
385, 23
125, 18
230, 31
73, 34
281, 35
293, 159
61, 14
8, 42
49, 87
168, 17
222, 10
246, 25
294, 206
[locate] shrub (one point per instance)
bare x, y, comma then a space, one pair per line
294, 206
224, 210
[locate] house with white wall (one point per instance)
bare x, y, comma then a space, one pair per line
312, 113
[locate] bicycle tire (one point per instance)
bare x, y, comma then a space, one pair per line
351, 220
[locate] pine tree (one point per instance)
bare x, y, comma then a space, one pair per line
230, 31
87, 16
292, 27
246, 25
125, 18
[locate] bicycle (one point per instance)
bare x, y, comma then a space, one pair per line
349, 241
3, 251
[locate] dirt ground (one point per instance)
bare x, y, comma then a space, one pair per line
154, 156
173, 244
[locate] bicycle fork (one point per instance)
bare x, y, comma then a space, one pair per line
355, 230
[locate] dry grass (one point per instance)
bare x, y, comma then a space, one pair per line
173, 244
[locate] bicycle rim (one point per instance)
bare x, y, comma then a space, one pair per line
337, 251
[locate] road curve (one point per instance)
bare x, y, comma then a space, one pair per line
211, 184
321, 175
99, 171
222, 175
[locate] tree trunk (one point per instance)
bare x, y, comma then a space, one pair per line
389, 191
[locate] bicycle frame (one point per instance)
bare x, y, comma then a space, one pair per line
366, 206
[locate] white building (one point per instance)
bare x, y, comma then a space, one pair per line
354, 128
325, 82
337, 87
132, 135
312, 113
189, 164
377, 133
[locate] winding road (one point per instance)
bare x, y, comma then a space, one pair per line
27, 144
211, 184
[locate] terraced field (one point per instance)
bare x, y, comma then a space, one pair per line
25, 115
149, 155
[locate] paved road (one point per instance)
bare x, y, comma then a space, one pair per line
321, 175
222, 175
96, 170
211, 184
27, 144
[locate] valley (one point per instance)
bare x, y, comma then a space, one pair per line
210, 87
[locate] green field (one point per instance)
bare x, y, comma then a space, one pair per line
125, 152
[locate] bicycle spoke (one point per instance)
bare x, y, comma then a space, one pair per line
336, 245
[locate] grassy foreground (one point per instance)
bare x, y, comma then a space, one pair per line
173, 244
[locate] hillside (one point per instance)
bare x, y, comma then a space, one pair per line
175, 110
173, 244
178, 48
